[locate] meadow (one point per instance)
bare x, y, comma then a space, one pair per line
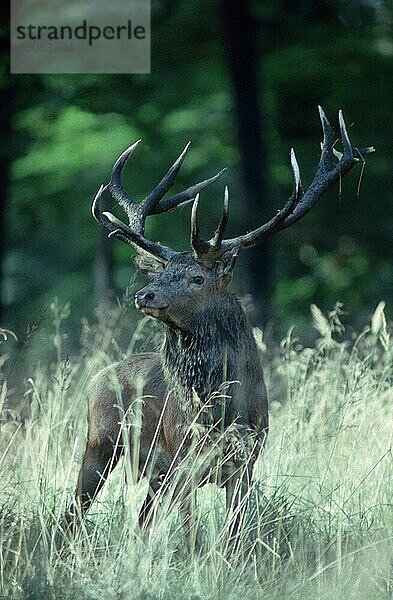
321, 499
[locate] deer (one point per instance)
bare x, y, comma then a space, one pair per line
208, 372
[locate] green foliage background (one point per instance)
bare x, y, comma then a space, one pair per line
66, 131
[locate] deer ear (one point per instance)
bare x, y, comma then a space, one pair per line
226, 266
147, 264
225, 277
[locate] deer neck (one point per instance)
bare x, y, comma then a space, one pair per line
199, 360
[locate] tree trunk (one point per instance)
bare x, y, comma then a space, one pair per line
242, 64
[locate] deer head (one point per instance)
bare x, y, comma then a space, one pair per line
184, 284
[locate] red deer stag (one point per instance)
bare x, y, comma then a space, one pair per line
208, 340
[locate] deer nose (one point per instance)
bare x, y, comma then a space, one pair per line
143, 298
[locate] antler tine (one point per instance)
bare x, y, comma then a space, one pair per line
135, 239
137, 213
256, 236
328, 172
348, 150
166, 182
197, 243
133, 234
107, 219
102, 217
218, 245
300, 203
326, 160
115, 186
152, 204
297, 190
185, 197
219, 233
212, 249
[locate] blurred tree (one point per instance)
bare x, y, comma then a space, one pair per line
240, 34
257, 91
342, 251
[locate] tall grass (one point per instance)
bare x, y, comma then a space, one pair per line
321, 496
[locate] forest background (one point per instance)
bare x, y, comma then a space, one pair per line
242, 81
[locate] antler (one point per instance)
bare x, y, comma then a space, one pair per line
331, 168
133, 234
329, 171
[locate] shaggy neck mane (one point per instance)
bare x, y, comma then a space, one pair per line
204, 356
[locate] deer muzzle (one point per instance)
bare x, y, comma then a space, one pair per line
148, 301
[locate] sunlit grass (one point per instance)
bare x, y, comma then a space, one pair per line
322, 493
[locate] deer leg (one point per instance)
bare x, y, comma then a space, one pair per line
146, 511
98, 462
185, 493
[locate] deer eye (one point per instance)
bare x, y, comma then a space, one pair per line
198, 279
